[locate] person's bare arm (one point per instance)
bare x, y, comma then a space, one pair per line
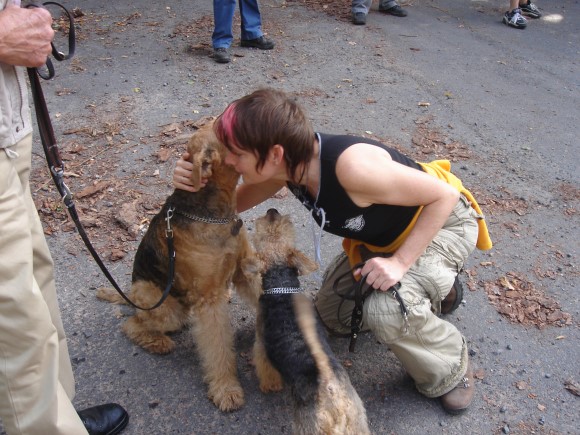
248, 196
370, 176
25, 36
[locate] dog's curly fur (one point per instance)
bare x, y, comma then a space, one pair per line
209, 258
325, 401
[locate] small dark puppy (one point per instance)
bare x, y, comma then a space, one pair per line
212, 253
325, 401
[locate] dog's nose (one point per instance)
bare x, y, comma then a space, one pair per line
272, 214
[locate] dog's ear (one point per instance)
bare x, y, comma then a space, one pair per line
197, 160
203, 151
301, 262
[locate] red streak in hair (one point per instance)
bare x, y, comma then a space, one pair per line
228, 121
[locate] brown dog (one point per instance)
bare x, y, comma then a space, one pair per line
211, 252
325, 401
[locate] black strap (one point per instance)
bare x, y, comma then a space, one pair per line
357, 311
359, 298
56, 167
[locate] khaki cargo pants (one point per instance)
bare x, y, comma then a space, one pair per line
36, 377
432, 350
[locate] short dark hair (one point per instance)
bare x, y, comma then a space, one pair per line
264, 118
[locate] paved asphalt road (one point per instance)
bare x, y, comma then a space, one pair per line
508, 97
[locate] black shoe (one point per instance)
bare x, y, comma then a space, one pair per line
453, 299
108, 419
359, 18
221, 55
262, 43
396, 10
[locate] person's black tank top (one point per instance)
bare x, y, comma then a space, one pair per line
377, 224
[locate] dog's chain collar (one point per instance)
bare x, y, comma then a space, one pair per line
282, 290
208, 220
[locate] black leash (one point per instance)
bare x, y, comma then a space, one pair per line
359, 298
56, 165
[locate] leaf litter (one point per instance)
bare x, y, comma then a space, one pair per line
521, 302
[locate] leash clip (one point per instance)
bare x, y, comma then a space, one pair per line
67, 196
168, 230
403, 307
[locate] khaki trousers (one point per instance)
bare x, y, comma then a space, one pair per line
36, 378
432, 350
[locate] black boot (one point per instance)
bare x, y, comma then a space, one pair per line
108, 419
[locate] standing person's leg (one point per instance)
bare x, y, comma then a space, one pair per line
363, 6
251, 19
223, 16
43, 269
32, 398
360, 10
251, 33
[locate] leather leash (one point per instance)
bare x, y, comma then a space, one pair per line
359, 299
56, 167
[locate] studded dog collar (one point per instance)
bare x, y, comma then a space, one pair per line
282, 290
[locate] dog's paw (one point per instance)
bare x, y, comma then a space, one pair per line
154, 342
161, 346
269, 377
272, 384
109, 294
228, 398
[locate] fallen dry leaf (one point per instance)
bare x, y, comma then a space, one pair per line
572, 386
117, 254
506, 283
91, 190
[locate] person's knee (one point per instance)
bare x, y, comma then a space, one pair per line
390, 321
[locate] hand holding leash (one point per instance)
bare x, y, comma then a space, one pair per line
26, 36
381, 273
47, 72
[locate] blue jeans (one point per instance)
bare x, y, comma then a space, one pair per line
364, 6
223, 15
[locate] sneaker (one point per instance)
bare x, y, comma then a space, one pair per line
396, 10
515, 19
221, 55
359, 18
262, 43
531, 10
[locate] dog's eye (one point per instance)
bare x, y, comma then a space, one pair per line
205, 165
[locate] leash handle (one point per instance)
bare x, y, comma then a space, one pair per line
56, 167
48, 71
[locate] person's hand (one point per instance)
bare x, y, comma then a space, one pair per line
382, 273
25, 35
182, 175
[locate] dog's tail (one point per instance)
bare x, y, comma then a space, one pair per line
306, 319
340, 409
